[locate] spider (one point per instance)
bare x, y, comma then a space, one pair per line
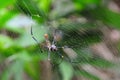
51, 47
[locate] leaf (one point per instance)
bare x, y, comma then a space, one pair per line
106, 16
6, 3
99, 62
45, 5
16, 69
5, 16
30, 8
32, 70
82, 4
16, 65
66, 71
5, 42
87, 75
15, 24
61, 8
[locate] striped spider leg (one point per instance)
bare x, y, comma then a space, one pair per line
31, 31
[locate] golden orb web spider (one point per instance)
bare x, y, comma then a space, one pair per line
52, 47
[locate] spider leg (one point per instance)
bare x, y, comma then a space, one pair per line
68, 59
61, 56
54, 42
35, 38
58, 61
48, 55
56, 36
65, 47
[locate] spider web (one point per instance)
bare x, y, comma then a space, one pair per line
73, 40
76, 36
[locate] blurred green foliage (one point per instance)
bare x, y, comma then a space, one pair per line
21, 54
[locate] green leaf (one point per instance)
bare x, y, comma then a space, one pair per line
87, 75
32, 70
5, 42
106, 16
6, 3
16, 65
30, 8
23, 55
82, 4
45, 5
16, 69
5, 16
99, 62
66, 71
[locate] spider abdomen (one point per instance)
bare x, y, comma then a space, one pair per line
53, 48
